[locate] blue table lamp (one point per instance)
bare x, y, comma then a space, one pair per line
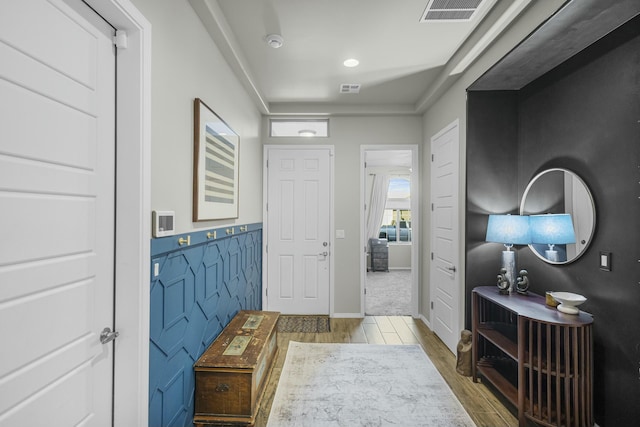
552, 229
509, 230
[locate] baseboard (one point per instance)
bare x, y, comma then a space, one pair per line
424, 320
347, 315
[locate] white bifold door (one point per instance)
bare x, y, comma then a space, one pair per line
57, 187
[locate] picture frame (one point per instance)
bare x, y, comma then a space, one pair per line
215, 166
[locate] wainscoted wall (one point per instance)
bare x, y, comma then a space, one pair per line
198, 289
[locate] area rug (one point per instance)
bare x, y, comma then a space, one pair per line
366, 385
310, 324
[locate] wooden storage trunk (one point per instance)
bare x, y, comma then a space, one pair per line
232, 373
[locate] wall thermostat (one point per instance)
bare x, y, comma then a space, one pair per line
163, 223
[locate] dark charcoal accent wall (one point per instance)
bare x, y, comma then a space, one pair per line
583, 116
492, 180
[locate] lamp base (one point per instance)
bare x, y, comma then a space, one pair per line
551, 255
509, 264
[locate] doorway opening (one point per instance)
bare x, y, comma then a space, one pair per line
389, 223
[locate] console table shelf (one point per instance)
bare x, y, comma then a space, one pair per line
540, 359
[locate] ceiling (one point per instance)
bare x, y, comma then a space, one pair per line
404, 63
573, 28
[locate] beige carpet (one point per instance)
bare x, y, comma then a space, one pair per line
388, 293
363, 385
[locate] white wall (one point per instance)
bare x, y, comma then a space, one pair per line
347, 134
399, 256
186, 64
451, 106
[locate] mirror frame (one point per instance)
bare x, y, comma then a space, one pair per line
593, 211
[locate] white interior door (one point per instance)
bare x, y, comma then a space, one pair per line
298, 230
57, 106
445, 287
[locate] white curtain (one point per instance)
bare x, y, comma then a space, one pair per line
379, 191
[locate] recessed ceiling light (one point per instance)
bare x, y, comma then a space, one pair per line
307, 132
351, 62
274, 40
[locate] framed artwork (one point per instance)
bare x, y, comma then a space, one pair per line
215, 166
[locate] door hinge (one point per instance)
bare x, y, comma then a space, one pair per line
432, 157
431, 256
266, 292
120, 39
365, 291
365, 165
267, 163
432, 207
431, 305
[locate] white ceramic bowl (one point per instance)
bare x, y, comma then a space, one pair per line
568, 301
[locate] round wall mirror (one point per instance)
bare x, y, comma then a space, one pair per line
560, 191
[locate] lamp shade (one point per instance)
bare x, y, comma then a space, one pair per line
552, 229
508, 229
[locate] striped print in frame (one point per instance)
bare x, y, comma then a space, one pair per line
215, 172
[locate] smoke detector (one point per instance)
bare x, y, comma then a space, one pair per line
274, 40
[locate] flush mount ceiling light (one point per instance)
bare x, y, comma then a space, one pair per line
274, 40
351, 62
307, 132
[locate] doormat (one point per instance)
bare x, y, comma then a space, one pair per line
363, 385
309, 324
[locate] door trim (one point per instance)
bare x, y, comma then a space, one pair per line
133, 222
265, 228
415, 223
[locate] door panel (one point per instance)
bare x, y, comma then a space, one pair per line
57, 160
298, 200
445, 284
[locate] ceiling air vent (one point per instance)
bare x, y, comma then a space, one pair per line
450, 10
349, 88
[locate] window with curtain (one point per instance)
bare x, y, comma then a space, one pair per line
396, 220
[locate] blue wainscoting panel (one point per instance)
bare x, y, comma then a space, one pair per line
198, 290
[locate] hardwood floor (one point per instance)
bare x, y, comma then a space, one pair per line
482, 405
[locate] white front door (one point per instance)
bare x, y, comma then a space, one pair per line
298, 246
445, 288
57, 148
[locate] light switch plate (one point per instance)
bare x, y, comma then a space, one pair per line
605, 261
339, 234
